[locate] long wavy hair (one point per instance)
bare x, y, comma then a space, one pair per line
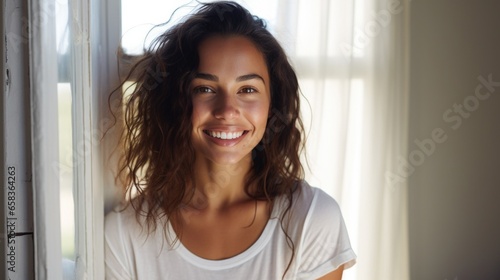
157, 151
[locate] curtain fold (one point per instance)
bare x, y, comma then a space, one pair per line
352, 62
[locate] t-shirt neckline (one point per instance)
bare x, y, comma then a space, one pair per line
236, 260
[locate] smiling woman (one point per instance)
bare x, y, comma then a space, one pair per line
212, 143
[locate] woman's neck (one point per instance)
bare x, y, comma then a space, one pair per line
220, 186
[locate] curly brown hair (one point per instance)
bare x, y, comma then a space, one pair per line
157, 152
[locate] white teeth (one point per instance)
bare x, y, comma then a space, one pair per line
225, 135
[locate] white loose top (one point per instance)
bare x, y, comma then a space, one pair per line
316, 228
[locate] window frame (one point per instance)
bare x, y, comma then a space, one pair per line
29, 97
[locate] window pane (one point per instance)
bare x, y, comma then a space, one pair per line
65, 127
66, 171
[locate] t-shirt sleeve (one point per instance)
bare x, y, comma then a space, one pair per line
325, 245
116, 263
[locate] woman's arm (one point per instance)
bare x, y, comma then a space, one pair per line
334, 275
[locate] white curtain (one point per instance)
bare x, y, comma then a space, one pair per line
352, 60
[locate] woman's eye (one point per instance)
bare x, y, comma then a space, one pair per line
247, 90
203, 90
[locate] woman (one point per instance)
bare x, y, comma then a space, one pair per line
211, 150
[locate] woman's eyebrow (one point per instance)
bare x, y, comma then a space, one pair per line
243, 78
250, 77
206, 76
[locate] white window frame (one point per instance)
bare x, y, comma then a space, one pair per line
29, 107
43, 87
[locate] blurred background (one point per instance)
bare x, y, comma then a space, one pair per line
454, 196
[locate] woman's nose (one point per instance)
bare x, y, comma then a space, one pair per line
226, 108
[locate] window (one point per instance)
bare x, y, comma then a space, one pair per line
65, 125
55, 104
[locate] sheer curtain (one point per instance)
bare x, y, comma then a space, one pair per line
352, 61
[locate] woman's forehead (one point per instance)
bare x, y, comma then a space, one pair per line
231, 55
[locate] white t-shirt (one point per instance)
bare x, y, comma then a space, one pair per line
316, 228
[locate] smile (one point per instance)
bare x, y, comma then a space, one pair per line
225, 135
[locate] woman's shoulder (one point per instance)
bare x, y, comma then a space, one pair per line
123, 218
314, 199
309, 203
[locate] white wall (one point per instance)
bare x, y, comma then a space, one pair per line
454, 195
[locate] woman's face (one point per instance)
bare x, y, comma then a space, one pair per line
231, 99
